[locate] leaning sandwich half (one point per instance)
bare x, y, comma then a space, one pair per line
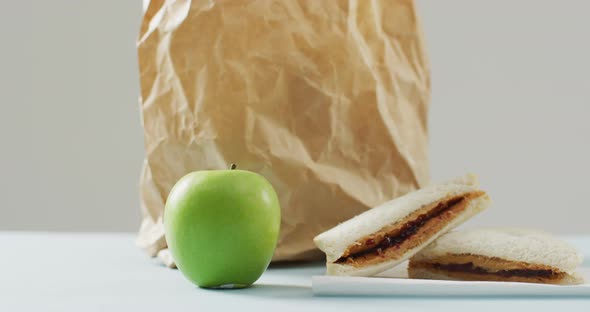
511, 255
386, 235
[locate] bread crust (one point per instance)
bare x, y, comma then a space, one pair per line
474, 208
336, 240
356, 254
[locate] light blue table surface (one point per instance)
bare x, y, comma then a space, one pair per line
106, 272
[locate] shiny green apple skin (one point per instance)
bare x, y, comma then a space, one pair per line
222, 226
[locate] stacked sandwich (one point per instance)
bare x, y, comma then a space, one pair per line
416, 227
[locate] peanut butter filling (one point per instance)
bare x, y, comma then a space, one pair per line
392, 241
481, 268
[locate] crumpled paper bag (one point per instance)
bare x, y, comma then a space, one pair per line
326, 99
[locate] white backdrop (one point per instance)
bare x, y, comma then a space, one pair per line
511, 102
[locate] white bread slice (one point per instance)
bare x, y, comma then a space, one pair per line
474, 207
511, 244
335, 241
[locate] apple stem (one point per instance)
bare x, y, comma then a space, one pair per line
232, 167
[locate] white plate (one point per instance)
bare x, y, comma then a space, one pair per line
396, 283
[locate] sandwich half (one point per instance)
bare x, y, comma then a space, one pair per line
386, 235
512, 255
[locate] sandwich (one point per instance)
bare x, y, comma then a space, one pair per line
511, 255
382, 237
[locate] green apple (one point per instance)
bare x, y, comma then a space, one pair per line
222, 226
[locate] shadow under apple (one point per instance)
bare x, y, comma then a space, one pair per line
270, 291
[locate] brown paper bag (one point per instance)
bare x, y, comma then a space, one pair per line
326, 99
